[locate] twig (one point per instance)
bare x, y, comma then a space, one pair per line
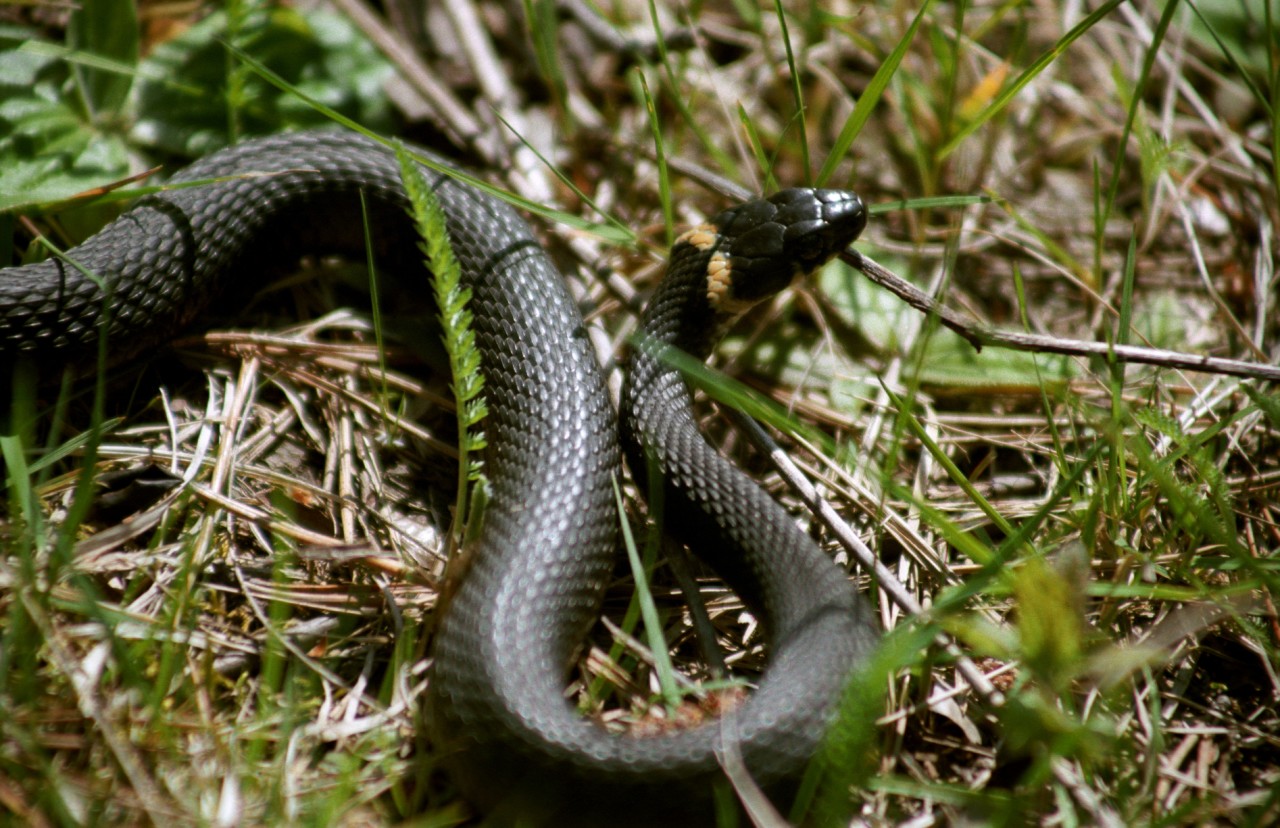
453, 118
293, 647
476, 45
979, 335
632, 49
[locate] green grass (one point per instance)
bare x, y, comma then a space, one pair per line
242, 635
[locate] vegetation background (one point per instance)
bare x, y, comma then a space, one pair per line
212, 597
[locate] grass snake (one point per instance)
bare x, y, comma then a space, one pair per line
536, 576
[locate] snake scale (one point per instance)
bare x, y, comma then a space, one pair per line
536, 576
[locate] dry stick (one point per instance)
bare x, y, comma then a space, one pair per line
980, 335
454, 119
860, 551
272, 630
632, 49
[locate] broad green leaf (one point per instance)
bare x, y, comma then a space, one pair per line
319, 54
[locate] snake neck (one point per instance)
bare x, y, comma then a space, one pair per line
680, 315
679, 318
661, 438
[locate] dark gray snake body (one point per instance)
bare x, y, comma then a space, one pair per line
534, 584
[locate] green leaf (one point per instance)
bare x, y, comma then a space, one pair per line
1268, 404
1050, 623
320, 54
49, 155
47, 151
1237, 29
642, 571
929, 203
105, 29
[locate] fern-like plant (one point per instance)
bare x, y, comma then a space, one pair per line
452, 299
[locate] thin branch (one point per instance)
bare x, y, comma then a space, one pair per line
451, 115
980, 336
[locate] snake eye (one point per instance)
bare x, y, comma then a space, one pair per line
819, 224
805, 242
766, 240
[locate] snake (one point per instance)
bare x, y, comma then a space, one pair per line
537, 570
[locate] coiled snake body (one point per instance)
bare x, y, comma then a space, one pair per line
547, 548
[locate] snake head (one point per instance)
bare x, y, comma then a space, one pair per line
767, 243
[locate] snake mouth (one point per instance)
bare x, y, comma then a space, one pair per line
760, 247
844, 217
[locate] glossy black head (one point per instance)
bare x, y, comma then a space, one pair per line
769, 242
